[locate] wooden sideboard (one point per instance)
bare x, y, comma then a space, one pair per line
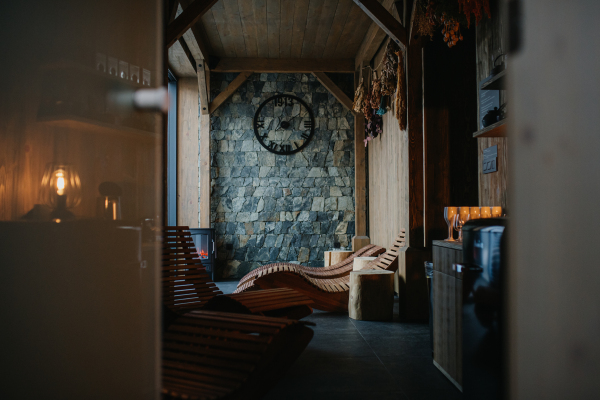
447, 310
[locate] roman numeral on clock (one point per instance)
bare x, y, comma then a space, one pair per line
305, 135
308, 124
286, 147
260, 123
272, 145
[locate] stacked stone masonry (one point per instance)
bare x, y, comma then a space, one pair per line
274, 208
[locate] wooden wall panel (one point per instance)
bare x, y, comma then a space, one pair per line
187, 152
490, 44
388, 183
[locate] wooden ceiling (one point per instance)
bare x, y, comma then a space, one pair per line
284, 28
279, 29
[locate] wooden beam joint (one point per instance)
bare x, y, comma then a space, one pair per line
384, 19
186, 19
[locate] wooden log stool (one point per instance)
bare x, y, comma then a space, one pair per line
371, 295
361, 263
333, 257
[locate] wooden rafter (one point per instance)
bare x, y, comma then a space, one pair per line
188, 53
229, 90
372, 40
284, 65
385, 20
187, 19
196, 34
334, 89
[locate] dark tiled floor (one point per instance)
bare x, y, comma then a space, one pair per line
349, 360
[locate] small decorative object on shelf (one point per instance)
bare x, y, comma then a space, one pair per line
109, 202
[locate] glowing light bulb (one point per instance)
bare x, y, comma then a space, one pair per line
60, 183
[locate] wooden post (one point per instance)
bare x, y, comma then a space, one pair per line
360, 186
187, 153
204, 178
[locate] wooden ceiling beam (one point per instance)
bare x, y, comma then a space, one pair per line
386, 21
192, 13
195, 33
229, 90
334, 90
372, 40
284, 65
188, 53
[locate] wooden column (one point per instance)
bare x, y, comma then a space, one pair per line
413, 300
360, 185
204, 181
187, 152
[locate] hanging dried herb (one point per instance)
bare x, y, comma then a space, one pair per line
423, 24
359, 97
373, 127
388, 73
400, 108
367, 110
375, 92
476, 7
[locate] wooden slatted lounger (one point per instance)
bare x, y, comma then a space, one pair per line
333, 271
327, 294
215, 355
187, 286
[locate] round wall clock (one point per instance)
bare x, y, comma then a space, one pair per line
284, 124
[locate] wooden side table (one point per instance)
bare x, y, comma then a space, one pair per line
335, 256
371, 295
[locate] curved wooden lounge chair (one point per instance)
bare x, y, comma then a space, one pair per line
187, 286
215, 355
327, 294
333, 271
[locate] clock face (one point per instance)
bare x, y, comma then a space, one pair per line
284, 124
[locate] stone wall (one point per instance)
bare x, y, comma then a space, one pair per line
273, 208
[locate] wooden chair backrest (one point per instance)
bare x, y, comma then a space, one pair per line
389, 260
185, 282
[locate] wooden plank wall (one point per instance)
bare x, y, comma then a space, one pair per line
490, 44
388, 183
187, 152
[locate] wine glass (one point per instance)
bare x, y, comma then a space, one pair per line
496, 212
449, 213
475, 213
486, 212
459, 221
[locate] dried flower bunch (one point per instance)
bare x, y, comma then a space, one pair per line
373, 127
400, 108
449, 14
367, 110
389, 70
359, 97
425, 23
475, 7
375, 92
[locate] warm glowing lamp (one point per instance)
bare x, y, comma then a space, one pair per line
61, 190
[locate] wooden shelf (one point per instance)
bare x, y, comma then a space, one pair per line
495, 130
498, 82
85, 124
